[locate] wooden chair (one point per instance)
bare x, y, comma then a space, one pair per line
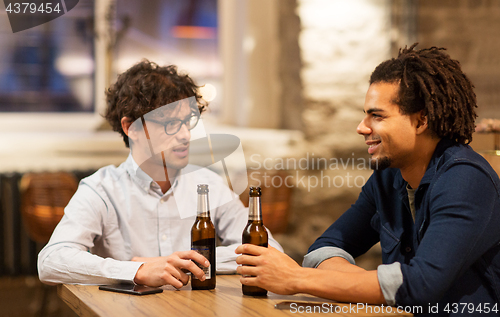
43, 198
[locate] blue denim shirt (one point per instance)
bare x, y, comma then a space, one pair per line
451, 253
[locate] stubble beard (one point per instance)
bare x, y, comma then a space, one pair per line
155, 167
380, 163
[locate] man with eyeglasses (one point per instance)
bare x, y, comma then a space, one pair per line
133, 222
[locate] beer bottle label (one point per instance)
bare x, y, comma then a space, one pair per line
205, 251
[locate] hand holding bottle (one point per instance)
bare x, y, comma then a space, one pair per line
168, 270
268, 268
203, 241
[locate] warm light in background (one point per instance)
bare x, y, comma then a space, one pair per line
208, 92
74, 65
193, 32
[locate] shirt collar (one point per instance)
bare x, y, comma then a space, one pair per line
441, 147
142, 178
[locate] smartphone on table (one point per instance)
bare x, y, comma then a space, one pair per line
132, 289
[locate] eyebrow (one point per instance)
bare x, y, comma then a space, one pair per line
177, 118
372, 110
168, 119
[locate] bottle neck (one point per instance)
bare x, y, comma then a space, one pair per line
254, 209
203, 210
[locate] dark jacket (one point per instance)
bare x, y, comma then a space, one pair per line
451, 254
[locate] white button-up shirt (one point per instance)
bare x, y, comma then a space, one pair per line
120, 212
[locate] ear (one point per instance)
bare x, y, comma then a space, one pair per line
126, 123
422, 122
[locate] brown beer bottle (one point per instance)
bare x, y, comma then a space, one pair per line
203, 240
254, 233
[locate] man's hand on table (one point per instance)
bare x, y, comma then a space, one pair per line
159, 271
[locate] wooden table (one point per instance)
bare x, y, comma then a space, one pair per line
225, 300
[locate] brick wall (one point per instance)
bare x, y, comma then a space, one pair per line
339, 45
470, 30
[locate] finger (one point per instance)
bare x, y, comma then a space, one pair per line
174, 282
183, 261
239, 249
174, 276
183, 277
252, 249
193, 255
194, 269
177, 273
247, 270
247, 260
248, 280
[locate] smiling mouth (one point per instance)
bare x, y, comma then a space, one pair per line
372, 146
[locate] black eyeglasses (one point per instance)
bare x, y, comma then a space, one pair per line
173, 126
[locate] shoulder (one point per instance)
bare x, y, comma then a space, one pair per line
465, 172
106, 181
98, 190
104, 175
461, 161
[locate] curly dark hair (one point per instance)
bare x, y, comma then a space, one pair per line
145, 87
430, 80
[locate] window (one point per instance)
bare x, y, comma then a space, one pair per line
51, 71
183, 33
48, 68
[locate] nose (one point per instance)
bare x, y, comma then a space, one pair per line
183, 134
363, 128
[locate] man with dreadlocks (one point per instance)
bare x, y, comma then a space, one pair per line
432, 203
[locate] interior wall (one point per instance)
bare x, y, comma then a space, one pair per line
340, 43
469, 29
333, 52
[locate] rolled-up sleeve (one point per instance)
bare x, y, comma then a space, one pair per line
390, 279
389, 276
315, 257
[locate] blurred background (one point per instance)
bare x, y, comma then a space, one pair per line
288, 77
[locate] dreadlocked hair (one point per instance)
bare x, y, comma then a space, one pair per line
430, 80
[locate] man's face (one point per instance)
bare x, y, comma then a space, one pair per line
161, 138
390, 135
175, 147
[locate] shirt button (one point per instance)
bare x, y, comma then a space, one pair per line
164, 237
408, 249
